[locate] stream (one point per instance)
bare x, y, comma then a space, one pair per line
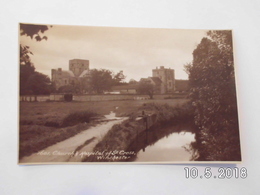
70, 150
170, 148
166, 144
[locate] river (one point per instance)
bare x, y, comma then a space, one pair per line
164, 144
170, 148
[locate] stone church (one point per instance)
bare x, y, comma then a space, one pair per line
78, 72
79, 75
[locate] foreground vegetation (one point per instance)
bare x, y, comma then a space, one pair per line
213, 96
43, 124
36, 137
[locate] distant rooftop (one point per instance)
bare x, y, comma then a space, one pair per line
162, 68
156, 80
85, 72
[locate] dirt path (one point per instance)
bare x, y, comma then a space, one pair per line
70, 150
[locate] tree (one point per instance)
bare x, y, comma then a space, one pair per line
69, 89
118, 78
132, 81
83, 85
33, 31
147, 88
39, 84
101, 80
213, 95
27, 69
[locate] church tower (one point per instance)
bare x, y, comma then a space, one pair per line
77, 66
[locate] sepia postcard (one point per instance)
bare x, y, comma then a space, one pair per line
126, 95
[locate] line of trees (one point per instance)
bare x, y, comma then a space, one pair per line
213, 96
99, 81
102, 80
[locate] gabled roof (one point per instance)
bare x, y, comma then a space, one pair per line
67, 73
156, 80
85, 72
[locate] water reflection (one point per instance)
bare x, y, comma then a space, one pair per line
164, 144
169, 148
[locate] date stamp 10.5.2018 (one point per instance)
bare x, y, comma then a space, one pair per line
222, 173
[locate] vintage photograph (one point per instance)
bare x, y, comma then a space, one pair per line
126, 95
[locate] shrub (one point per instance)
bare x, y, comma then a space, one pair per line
77, 117
51, 124
167, 114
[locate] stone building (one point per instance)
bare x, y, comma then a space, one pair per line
163, 80
78, 73
78, 76
166, 75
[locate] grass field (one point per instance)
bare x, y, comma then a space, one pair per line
41, 112
41, 122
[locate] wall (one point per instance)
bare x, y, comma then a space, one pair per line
32, 98
109, 97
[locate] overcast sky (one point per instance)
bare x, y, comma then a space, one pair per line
136, 51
